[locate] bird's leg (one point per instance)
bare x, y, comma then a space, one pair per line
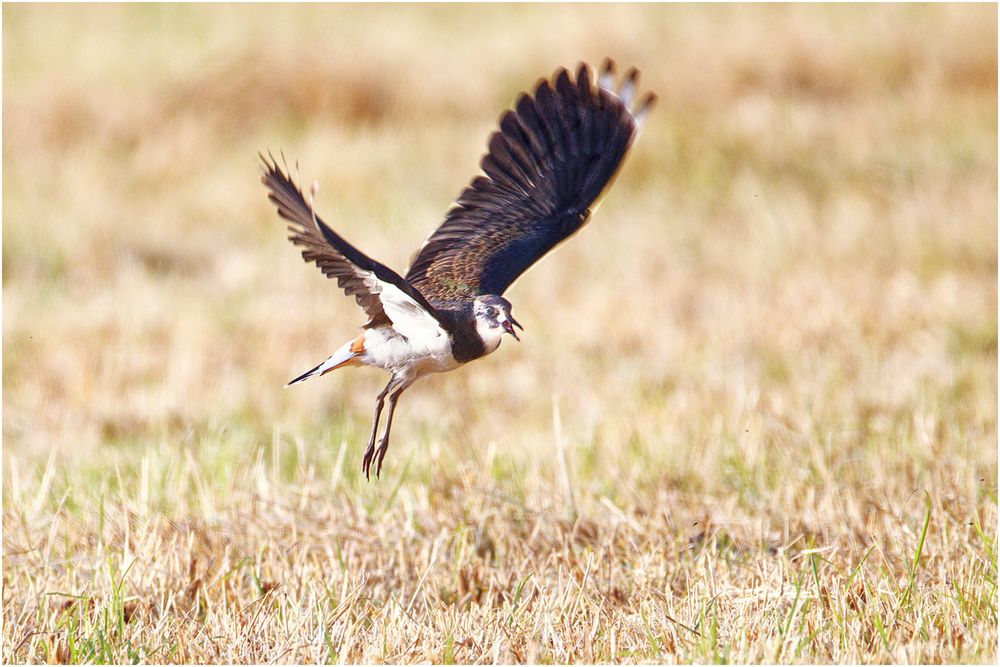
366, 463
383, 444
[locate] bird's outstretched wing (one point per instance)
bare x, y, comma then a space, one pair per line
385, 296
547, 166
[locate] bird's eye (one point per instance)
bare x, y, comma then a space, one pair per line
492, 312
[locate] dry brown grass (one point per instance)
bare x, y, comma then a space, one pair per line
770, 364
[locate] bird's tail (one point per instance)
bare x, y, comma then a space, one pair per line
342, 357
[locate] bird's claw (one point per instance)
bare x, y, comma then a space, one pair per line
383, 448
375, 456
366, 463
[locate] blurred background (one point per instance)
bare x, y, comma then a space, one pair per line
785, 308
804, 237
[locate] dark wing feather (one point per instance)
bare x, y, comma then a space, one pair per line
356, 273
547, 165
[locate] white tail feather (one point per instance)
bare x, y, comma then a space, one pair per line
341, 356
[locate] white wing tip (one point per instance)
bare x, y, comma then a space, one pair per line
626, 91
629, 85
607, 78
645, 106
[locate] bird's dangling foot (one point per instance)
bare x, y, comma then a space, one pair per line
380, 454
375, 456
366, 462
383, 444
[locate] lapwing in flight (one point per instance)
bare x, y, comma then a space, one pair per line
552, 158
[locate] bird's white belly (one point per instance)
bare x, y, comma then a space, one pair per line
419, 355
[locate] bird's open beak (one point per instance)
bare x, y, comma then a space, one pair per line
508, 326
515, 323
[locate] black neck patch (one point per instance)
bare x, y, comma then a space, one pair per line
459, 321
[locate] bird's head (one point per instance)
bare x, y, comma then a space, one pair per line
493, 320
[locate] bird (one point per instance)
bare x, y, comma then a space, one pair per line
552, 158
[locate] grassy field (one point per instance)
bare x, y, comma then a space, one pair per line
753, 416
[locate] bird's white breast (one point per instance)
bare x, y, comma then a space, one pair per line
428, 353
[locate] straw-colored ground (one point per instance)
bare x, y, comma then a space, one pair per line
753, 418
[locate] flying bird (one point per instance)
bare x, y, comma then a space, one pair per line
547, 166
